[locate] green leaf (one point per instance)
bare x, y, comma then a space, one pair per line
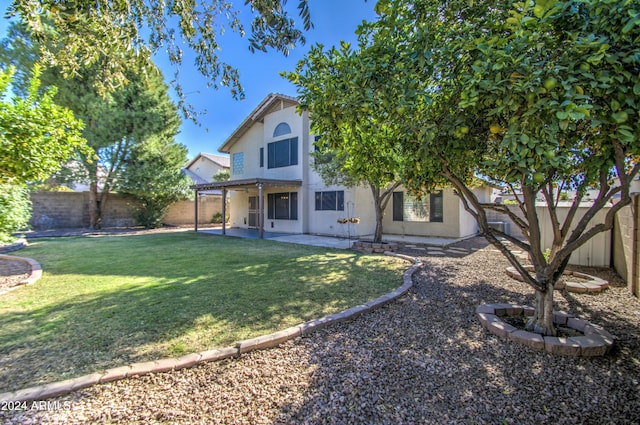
626, 136
629, 26
620, 117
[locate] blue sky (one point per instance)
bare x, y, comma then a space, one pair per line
334, 20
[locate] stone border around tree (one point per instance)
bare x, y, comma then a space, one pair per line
595, 342
56, 389
593, 285
34, 275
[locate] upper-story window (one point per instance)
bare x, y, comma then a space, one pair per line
281, 129
237, 163
282, 153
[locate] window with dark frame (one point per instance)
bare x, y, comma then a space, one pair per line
282, 153
332, 200
436, 206
261, 157
282, 129
282, 206
409, 208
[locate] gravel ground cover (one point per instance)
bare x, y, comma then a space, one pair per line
421, 359
12, 272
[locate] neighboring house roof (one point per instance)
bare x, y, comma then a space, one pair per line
196, 179
271, 103
222, 161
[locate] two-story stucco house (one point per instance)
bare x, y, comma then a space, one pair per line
274, 188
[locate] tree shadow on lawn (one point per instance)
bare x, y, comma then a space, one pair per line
426, 359
175, 315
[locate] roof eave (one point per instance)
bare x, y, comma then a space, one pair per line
255, 116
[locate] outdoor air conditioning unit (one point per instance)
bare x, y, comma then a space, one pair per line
503, 226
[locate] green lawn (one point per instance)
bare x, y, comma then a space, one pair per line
111, 300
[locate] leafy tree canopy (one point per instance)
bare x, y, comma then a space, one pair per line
153, 175
118, 124
355, 147
36, 135
112, 37
539, 96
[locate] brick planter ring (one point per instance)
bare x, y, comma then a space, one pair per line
595, 341
592, 285
34, 275
368, 247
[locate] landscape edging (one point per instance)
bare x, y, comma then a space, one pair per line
34, 275
59, 388
596, 341
15, 246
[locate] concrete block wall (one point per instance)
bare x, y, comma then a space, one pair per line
52, 210
59, 210
182, 213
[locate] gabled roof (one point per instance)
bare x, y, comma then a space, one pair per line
273, 102
196, 179
222, 161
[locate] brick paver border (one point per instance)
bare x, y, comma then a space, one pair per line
595, 340
56, 389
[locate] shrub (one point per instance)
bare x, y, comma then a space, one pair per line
217, 218
150, 213
15, 210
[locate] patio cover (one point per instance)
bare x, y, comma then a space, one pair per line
241, 184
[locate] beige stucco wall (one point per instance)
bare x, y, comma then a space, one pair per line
449, 228
249, 145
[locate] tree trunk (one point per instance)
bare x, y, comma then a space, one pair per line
542, 320
377, 237
97, 201
95, 214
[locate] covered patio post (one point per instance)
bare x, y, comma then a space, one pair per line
260, 212
196, 211
224, 211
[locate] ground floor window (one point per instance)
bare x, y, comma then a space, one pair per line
409, 208
282, 206
332, 200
